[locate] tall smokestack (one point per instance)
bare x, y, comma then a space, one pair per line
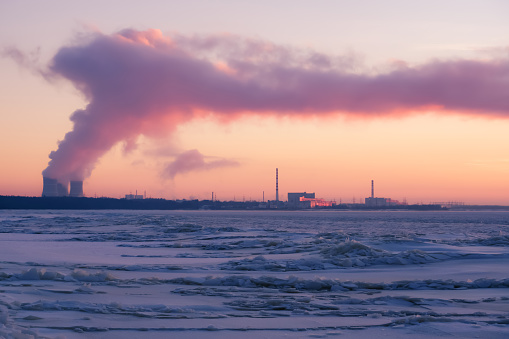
277, 188
76, 189
372, 188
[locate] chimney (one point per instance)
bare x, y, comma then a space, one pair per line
277, 188
76, 189
372, 188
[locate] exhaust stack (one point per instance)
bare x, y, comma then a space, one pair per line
277, 188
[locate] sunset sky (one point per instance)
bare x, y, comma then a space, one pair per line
184, 98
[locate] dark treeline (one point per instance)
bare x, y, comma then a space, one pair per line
70, 203
67, 203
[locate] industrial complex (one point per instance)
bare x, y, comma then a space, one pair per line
296, 200
379, 202
54, 188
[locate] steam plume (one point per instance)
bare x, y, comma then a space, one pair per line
193, 160
146, 83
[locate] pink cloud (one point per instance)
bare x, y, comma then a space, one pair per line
193, 160
146, 83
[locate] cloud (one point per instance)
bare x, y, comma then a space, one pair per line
28, 61
193, 160
145, 83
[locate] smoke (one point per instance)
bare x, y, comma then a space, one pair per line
29, 61
193, 160
144, 83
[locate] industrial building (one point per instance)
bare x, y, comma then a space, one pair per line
133, 196
294, 198
307, 200
55, 188
378, 202
315, 202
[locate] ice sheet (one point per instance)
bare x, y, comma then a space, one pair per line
110, 274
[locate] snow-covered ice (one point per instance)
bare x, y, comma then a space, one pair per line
271, 274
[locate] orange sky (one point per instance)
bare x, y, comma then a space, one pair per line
425, 157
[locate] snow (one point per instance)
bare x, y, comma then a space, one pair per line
273, 274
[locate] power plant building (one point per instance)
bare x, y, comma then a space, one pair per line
378, 202
76, 189
294, 198
315, 202
134, 196
53, 188
307, 200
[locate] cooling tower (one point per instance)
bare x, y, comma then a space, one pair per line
52, 188
76, 189
49, 187
62, 190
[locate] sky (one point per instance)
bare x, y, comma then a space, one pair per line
180, 99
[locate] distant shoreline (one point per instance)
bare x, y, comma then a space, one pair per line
85, 203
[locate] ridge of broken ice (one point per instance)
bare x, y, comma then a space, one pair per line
266, 281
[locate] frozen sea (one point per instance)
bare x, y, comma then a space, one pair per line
253, 274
